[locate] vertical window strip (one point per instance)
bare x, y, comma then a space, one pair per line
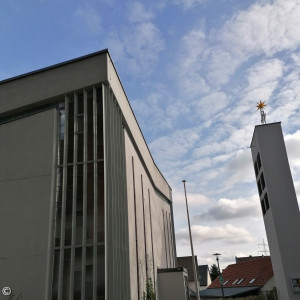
136, 237
144, 223
153, 265
85, 124
104, 129
74, 197
168, 237
171, 242
57, 218
64, 193
163, 214
95, 191
115, 232
75, 287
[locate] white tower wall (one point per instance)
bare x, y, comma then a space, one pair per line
279, 205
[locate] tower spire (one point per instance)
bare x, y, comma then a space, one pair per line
261, 105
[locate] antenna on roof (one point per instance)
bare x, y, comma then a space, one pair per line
264, 251
261, 105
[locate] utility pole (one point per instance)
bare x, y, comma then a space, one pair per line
192, 249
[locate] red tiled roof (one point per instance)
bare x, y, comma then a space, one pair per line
260, 269
247, 258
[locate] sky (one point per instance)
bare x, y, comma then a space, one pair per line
193, 71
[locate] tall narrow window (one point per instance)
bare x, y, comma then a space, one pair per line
150, 212
136, 237
78, 267
165, 238
259, 187
267, 201
258, 161
144, 223
263, 206
262, 180
256, 168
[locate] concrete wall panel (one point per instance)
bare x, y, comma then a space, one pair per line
27, 152
28, 91
143, 260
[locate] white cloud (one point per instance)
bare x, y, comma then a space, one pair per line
138, 13
266, 28
292, 142
90, 18
136, 47
210, 105
225, 209
264, 73
187, 68
187, 4
296, 58
239, 168
228, 234
174, 146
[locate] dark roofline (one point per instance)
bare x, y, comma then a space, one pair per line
55, 66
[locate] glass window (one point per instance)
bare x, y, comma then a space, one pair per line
71, 132
263, 206
259, 187
99, 124
90, 126
100, 273
262, 180
258, 161
77, 273
267, 201
90, 203
67, 269
256, 168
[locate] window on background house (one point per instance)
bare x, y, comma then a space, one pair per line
240, 281
225, 282
235, 281
252, 280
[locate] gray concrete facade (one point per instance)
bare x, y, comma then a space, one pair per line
27, 152
83, 205
279, 205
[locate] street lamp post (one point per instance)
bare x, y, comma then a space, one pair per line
220, 280
192, 249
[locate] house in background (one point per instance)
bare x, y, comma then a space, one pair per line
248, 277
187, 263
204, 279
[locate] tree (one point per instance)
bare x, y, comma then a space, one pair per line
214, 272
149, 294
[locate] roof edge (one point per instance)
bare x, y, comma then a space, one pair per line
55, 66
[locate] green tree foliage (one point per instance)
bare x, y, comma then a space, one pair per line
150, 293
214, 272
